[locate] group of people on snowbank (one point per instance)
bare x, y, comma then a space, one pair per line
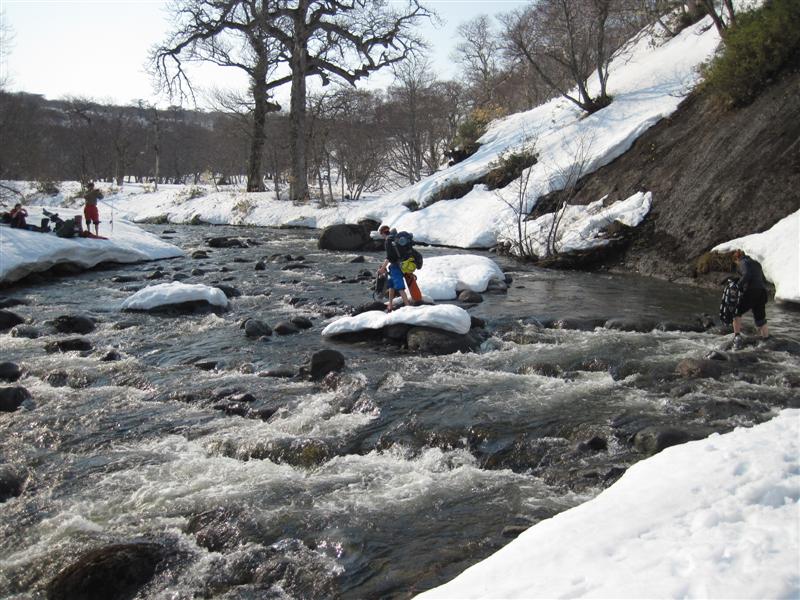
17, 218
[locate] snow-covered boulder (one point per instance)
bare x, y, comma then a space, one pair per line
443, 277
778, 251
23, 252
175, 295
442, 316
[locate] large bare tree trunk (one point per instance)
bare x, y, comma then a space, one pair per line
255, 179
297, 108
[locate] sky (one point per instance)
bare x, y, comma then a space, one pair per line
98, 48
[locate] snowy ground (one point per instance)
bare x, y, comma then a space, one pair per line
24, 252
715, 518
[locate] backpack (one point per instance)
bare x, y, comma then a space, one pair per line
403, 243
66, 229
731, 297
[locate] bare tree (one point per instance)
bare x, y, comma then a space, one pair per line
478, 53
567, 41
227, 33
6, 44
722, 17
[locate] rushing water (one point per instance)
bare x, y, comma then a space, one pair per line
385, 481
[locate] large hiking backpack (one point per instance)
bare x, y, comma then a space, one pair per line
731, 296
403, 243
66, 229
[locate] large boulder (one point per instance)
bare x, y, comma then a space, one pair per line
73, 324
10, 371
113, 572
12, 482
427, 340
323, 362
344, 237
11, 398
8, 319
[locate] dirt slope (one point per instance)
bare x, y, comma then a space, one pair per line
715, 175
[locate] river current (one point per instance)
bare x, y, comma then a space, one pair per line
382, 482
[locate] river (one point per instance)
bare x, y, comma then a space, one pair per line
379, 483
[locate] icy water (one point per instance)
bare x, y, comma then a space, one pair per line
380, 483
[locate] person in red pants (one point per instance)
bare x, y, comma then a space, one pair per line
90, 212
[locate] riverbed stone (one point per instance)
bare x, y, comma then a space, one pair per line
470, 297
9, 319
226, 242
323, 362
12, 482
25, 331
640, 325
652, 440
199, 254
229, 290
699, 367
256, 328
302, 322
12, 397
114, 572
286, 328
124, 279
10, 371
427, 340
81, 324
68, 345
6, 302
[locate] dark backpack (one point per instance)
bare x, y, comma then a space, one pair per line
731, 296
404, 244
417, 255
66, 229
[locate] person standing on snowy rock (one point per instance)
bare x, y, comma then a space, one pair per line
90, 212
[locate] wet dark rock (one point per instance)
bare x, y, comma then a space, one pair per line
57, 378
594, 444
206, 365
226, 242
10, 371
12, 397
476, 322
179, 276
470, 297
114, 572
631, 324
295, 267
306, 453
280, 372
696, 367
358, 259
543, 369
12, 482
576, 324
199, 254
346, 237
9, 319
286, 328
512, 531
653, 440
496, 286
197, 272
323, 362
302, 322
241, 260
695, 326
25, 331
427, 340
260, 266
81, 324
168, 231
255, 328
124, 279
229, 291
111, 356
232, 408
124, 325
224, 529
158, 274
6, 302
779, 344
397, 332
68, 345
368, 307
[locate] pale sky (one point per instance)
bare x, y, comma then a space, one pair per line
98, 48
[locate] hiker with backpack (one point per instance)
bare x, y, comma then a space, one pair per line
753, 290
391, 266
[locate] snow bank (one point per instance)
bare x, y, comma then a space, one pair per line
442, 316
443, 277
778, 251
716, 518
24, 252
166, 294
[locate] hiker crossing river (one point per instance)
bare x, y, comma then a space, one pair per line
194, 453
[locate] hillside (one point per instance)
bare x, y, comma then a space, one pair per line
715, 175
